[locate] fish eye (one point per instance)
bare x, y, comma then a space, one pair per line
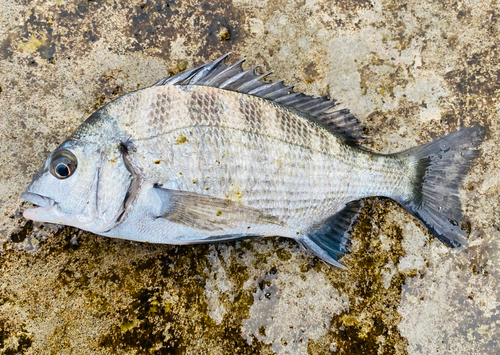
63, 164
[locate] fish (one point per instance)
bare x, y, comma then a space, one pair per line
214, 154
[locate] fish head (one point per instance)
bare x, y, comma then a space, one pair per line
69, 189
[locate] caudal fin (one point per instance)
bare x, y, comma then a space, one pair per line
441, 166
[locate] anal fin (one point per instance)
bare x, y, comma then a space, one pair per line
330, 240
206, 212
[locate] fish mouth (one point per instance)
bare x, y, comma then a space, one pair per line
38, 200
43, 203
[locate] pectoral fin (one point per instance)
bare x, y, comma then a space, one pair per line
206, 212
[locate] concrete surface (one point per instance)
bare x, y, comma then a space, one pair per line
411, 71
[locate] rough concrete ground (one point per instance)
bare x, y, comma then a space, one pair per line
411, 71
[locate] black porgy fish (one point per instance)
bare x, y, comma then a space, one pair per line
213, 154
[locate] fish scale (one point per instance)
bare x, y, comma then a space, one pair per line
322, 195
179, 109
210, 107
214, 154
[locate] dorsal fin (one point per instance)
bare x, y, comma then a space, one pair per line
218, 75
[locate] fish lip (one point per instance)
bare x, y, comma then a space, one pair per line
38, 200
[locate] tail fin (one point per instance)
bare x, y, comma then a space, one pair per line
441, 166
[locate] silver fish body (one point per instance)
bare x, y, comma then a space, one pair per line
191, 163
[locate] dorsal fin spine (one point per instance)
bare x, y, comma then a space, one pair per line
321, 105
297, 100
265, 88
233, 78
221, 77
283, 100
236, 67
246, 87
279, 93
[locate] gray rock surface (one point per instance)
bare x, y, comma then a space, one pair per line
411, 71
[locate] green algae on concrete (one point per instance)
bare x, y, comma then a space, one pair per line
410, 71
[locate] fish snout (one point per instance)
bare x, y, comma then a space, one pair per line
43, 203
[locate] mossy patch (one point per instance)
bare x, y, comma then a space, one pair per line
370, 325
152, 294
25, 231
14, 339
172, 315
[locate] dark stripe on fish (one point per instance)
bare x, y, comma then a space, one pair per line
197, 101
252, 114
